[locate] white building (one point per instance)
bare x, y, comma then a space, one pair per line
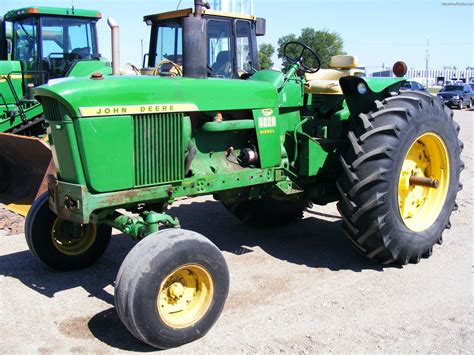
439, 77
240, 6
435, 77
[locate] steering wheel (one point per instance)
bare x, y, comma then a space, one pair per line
178, 69
299, 59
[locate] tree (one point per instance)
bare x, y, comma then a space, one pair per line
324, 42
265, 53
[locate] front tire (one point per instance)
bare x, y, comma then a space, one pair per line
386, 216
171, 288
61, 244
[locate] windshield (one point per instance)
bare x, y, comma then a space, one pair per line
63, 41
219, 39
169, 48
243, 47
26, 44
453, 88
68, 36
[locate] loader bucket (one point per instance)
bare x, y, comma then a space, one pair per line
24, 163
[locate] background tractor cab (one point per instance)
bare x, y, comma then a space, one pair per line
203, 43
46, 42
37, 44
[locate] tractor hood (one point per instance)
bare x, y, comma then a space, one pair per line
125, 95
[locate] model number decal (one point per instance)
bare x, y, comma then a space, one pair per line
267, 122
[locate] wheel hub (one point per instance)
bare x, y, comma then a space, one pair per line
72, 238
423, 182
185, 296
176, 290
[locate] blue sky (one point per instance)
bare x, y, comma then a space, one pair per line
378, 32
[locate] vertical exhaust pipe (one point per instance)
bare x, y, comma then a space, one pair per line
195, 43
114, 27
199, 5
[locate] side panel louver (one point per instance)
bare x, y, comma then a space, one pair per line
51, 109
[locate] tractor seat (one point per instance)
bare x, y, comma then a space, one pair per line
223, 65
326, 81
81, 52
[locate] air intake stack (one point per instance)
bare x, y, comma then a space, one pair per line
194, 43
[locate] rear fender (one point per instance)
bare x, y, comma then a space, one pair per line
10, 68
376, 89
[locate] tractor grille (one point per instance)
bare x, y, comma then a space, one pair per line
51, 109
158, 148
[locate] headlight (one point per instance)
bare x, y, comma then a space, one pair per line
456, 97
361, 88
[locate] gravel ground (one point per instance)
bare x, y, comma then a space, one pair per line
301, 288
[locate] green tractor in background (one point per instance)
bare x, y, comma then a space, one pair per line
265, 143
37, 44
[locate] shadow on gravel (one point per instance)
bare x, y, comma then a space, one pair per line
107, 327
26, 268
314, 242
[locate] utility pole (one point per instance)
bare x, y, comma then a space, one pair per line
426, 60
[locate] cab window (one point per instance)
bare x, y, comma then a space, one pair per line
243, 47
67, 37
65, 41
26, 41
219, 49
169, 43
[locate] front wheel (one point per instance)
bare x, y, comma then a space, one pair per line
61, 244
401, 177
171, 288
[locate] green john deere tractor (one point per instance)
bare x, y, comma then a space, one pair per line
37, 44
265, 143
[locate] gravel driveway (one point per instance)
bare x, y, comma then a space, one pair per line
300, 288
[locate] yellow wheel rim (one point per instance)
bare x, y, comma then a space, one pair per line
72, 238
427, 159
185, 296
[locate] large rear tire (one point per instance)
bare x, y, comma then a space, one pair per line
61, 244
388, 217
171, 288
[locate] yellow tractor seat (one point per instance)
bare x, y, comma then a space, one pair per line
326, 81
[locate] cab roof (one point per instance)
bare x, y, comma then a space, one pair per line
187, 12
29, 11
